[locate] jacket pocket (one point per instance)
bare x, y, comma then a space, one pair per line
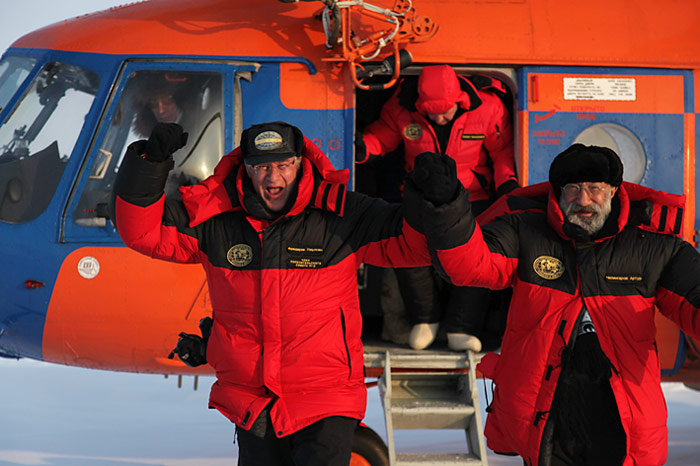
345, 341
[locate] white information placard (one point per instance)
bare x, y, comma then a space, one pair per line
619, 89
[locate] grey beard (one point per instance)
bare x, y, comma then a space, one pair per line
592, 224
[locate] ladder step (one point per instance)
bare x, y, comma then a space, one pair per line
430, 414
441, 459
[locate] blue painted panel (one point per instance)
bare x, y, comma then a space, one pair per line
661, 137
332, 130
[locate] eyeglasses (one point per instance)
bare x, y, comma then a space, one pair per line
593, 189
283, 167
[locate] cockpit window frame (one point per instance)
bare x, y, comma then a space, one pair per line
102, 230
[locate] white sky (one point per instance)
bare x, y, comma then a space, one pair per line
18, 17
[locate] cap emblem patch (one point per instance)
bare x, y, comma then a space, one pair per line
268, 140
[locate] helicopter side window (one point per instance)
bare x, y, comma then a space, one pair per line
13, 70
37, 139
191, 99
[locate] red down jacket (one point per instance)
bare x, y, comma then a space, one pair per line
621, 277
481, 140
287, 318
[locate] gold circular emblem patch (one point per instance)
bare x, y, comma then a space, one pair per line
549, 268
240, 255
413, 131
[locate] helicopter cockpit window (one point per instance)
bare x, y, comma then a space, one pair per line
13, 70
37, 139
191, 99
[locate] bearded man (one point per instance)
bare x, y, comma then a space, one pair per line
590, 261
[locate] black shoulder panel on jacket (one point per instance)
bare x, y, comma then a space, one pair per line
656, 217
681, 273
408, 93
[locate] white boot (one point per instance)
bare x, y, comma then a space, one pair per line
463, 342
422, 335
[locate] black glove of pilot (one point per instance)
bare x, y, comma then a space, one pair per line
436, 176
192, 349
165, 139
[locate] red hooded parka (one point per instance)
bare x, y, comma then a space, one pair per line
284, 292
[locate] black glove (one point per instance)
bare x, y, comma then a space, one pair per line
165, 139
360, 149
436, 176
411, 205
192, 349
506, 187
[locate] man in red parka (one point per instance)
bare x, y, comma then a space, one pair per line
577, 381
447, 114
280, 239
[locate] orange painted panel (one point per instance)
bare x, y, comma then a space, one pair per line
689, 178
523, 144
186, 27
330, 88
696, 80
126, 318
654, 94
645, 33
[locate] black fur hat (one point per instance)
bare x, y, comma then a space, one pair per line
580, 163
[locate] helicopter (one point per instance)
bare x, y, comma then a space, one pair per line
75, 94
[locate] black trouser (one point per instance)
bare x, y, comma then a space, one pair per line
587, 427
420, 294
607, 438
425, 295
327, 442
466, 310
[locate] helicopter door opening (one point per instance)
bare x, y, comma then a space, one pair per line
192, 95
383, 177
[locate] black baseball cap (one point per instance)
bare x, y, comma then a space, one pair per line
271, 142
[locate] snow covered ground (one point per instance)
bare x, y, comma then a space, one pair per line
63, 416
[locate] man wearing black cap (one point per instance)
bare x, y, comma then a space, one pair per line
589, 259
280, 238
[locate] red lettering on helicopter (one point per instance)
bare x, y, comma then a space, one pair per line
549, 141
549, 134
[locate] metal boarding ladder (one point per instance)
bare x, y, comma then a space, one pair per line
425, 390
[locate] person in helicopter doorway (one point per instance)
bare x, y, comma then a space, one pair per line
467, 120
280, 238
590, 259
